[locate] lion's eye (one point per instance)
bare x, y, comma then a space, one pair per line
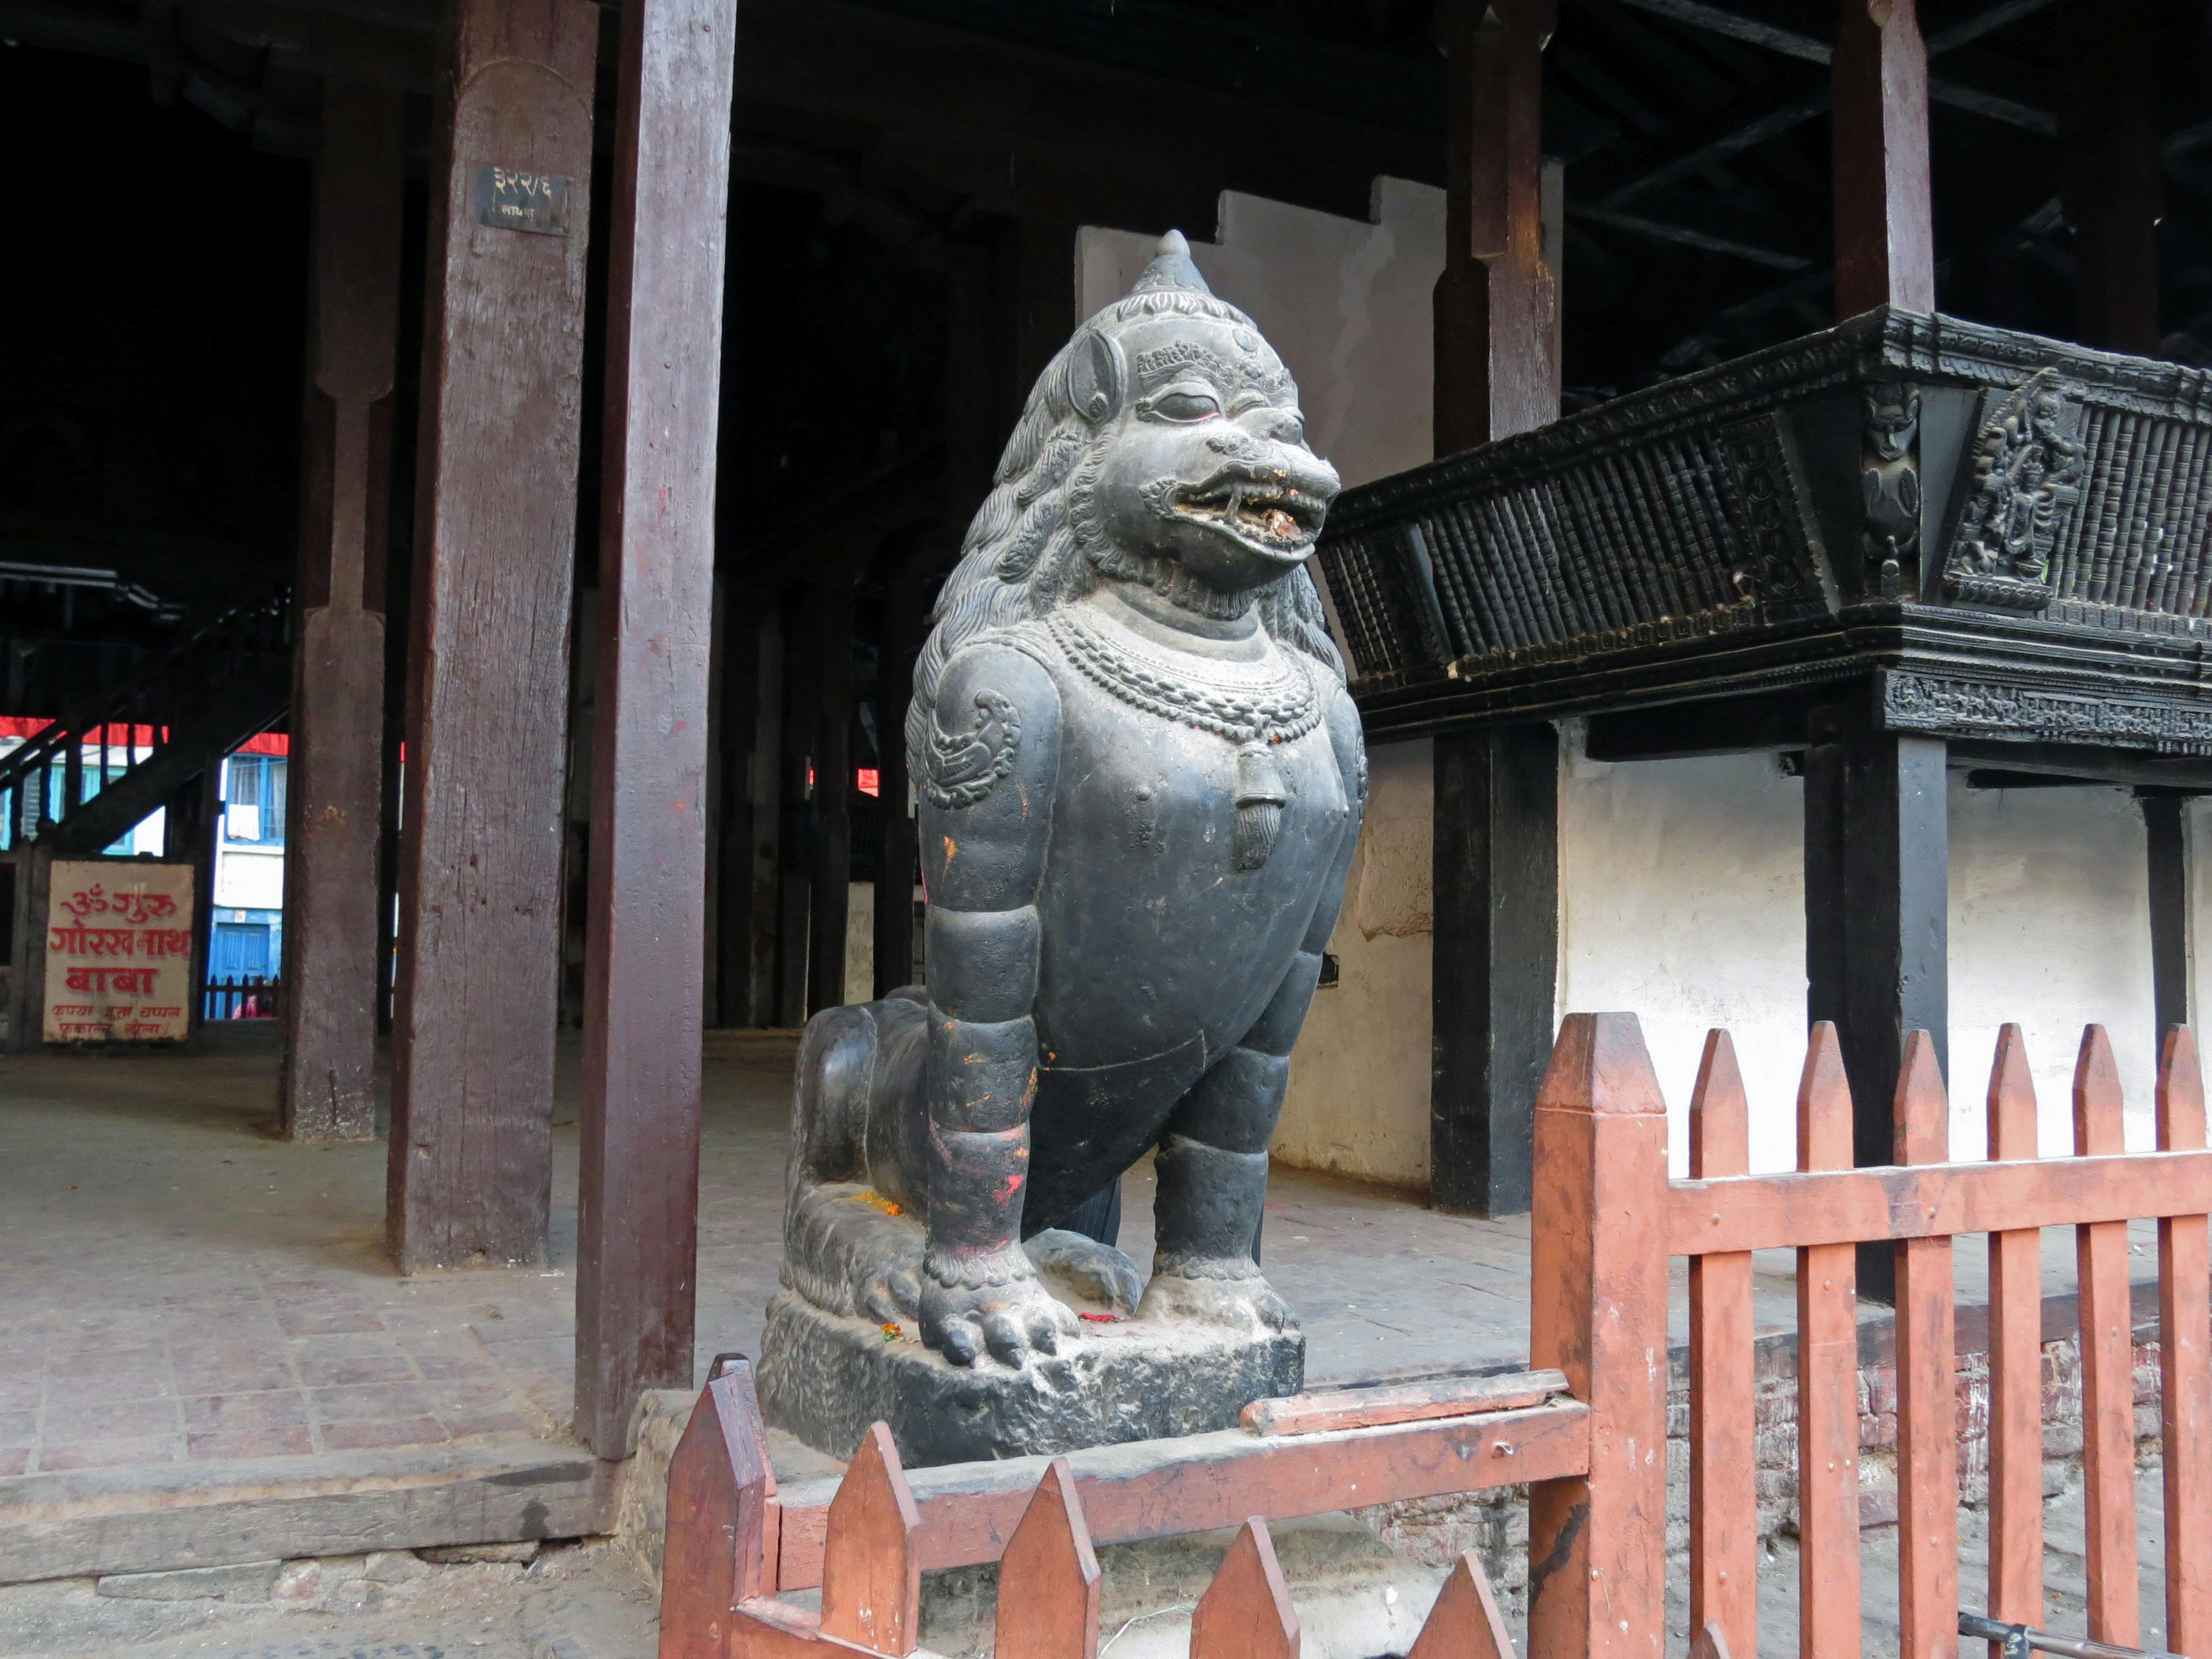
1186, 404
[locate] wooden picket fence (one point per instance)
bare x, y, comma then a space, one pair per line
1586, 1428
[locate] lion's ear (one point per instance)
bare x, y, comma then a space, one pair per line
1095, 375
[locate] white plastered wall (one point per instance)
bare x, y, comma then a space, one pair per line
1681, 886
1347, 304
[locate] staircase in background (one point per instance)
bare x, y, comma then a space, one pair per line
86, 780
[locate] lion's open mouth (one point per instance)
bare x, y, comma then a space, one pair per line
1268, 516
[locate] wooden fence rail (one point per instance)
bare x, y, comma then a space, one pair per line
1587, 1433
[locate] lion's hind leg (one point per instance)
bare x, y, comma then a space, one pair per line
846, 1248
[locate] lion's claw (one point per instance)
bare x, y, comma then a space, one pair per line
1223, 1292
993, 1305
1088, 1267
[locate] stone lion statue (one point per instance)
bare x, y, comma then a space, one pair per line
1140, 781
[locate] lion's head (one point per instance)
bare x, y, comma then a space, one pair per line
1162, 446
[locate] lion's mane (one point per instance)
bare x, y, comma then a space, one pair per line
1025, 553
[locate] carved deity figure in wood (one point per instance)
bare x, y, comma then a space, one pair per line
1140, 780
1889, 479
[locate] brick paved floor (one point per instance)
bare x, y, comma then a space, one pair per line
176, 1284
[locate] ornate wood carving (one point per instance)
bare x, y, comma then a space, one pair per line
1929, 702
2037, 515
2027, 480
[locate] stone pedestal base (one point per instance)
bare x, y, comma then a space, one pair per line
825, 1377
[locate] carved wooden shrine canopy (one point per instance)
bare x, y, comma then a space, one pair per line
1902, 544
1988, 535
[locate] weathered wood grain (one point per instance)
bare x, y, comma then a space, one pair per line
1049, 1578
1598, 1311
871, 1568
81, 1522
1496, 881
1407, 1402
1827, 1378
1927, 1407
720, 1547
1761, 1213
637, 1220
1497, 303
1159, 1488
1246, 1611
1465, 1622
2184, 1324
1884, 217
2015, 1588
2108, 1435
1723, 1493
326, 1087
487, 671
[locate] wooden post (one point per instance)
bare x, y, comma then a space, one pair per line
638, 1210
871, 1568
1494, 956
897, 848
2184, 1322
2109, 178
1828, 1379
1498, 371
1723, 1493
1884, 217
767, 785
1877, 885
330, 927
1927, 1394
1597, 1302
480, 864
1495, 862
831, 879
2165, 837
795, 841
2108, 1433
721, 1533
736, 679
2015, 1593
1049, 1577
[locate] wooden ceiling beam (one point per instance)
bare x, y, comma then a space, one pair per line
1991, 106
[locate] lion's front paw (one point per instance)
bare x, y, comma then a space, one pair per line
892, 1291
972, 1304
1090, 1269
1216, 1292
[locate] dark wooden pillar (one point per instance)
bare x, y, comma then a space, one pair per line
2108, 169
1877, 918
1885, 224
794, 850
1495, 951
730, 853
637, 1213
1496, 960
1044, 287
488, 693
335, 806
767, 787
897, 849
1497, 370
1877, 838
830, 879
2166, 841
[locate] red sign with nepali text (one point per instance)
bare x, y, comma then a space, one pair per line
118, 952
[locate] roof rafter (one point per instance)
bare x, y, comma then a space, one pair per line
1790, 43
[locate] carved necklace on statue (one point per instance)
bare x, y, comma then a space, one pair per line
1254, 706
